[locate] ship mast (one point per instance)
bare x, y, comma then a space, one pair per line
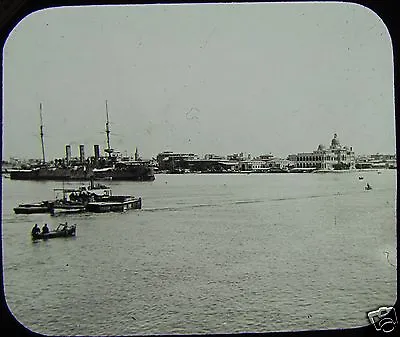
41, 133
109, 150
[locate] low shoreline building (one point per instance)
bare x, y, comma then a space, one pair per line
174, 162
376, 161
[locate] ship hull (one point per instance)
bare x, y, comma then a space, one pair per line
114, 204
134, 173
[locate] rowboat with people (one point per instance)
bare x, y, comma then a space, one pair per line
62, 230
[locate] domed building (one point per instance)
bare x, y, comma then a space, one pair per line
335, 143
336, 157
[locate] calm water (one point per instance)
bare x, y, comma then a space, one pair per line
208, 254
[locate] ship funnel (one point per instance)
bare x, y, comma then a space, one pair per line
96, 152
68, 153
82, 153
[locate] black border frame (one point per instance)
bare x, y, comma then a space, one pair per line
13, 11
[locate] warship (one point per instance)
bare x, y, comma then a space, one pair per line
111, 166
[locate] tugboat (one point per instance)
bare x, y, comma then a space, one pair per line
94, 198
118, 203
62, 207
75, 200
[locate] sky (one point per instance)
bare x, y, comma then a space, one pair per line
276, 78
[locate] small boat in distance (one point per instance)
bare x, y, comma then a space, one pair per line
360, 178
63, 230
368, 187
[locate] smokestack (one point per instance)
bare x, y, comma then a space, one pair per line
68, 153
82, 153
96, 152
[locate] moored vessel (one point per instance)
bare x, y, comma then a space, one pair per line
75, 200
114, 204
111, 166
93, 198
33, 208
67, 207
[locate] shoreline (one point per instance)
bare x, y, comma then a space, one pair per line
288, 172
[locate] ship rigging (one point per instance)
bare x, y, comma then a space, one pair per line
108, 150
41, 133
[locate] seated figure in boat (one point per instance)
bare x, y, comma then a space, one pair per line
45, 229
35, 229
62, 227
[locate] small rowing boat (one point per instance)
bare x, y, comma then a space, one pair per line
63, 230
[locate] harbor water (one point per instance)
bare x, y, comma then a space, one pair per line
217, 253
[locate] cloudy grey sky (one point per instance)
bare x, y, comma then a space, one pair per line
255, 78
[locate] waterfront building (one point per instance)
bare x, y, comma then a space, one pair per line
211, 165
172, 161
383, 160
383, 157
376, 161
239, 156
213, 156
266, 157
281, 164
336, 157
254, 165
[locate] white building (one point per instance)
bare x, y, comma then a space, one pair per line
251, 165
336, 157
